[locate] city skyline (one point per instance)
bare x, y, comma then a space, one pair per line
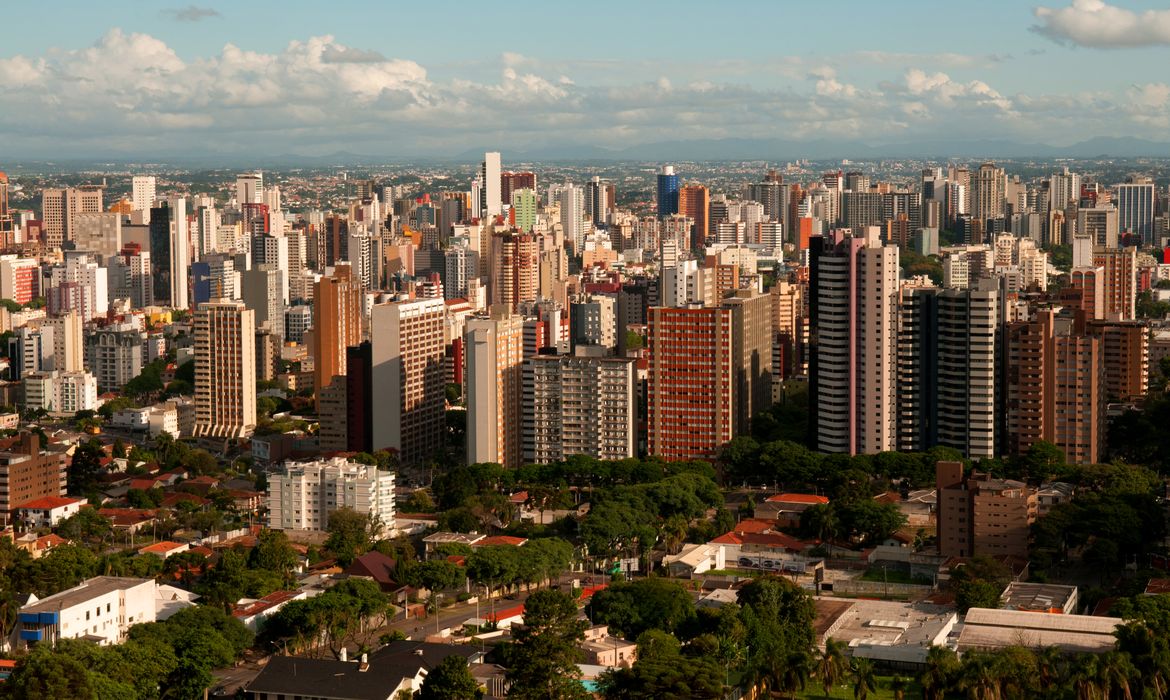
185, 79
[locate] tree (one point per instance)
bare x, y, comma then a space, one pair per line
273, 552
451, 679
864, 680
544, 657
633, 607
349, 534
941, 667
85, 467
778, 618
665, 673
832, 664
87, 526
44, 674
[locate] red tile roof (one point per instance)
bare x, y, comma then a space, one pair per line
49, 541
761, 539
269, 601
50, 502
1158, 586
161, 547
806, 498
754, 525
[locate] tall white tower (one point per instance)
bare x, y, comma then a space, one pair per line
143, 192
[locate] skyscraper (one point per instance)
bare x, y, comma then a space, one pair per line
225, 370
694, 202
667, 192
580, 404
249, 189
572, 200
337, 324
524, 207
515, 269
494, 351
853, 310
169, 252
946, 369
7, 226
60, 208
596, 204
490, 177
988, 196
409, 382
1136, 204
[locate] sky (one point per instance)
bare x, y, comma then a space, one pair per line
137, 79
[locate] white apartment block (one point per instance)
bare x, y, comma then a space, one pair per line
306, 493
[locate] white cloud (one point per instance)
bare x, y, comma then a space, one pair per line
1097, 24
131, 93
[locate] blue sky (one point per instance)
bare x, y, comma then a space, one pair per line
136, 77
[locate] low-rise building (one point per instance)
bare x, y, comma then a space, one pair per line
165, 548
1039, 597
602, 649
100, 609
254, 612
990, 630
48, 511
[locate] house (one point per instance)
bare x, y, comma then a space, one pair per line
602, 649
130, 519
253, 612
169, 600
38, 547
434, 540
398, 667
378, 567
500, 541
48, 511
165, 548
787, 507
695, 559
99, 609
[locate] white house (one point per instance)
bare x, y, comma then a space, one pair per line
48, 511
100, 609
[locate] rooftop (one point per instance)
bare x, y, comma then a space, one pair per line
85, 591
49, 503
1042, 597
993, 629
806, 498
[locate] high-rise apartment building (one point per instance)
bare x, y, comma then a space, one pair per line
596, 205
494, 352
1098, 224
572, 201
667, 192
60, 208
409, 382
710, 372
515, 270
1125, 347
303, 495
493, 203
580, 404
947, 369
7, 225
524, 209
510, 182
694, 202
337, 324
114, 354
988, 193
249, 189
1054, 388
143, 190
853, 289
1120, 279
225, 370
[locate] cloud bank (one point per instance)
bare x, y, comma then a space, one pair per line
132, 95
1099, 25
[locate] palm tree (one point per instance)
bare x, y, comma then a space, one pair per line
1050, 662
832, 664
1114, 671
980, 678
898, 686
941, 666
864, 681
796, 671
1086, 684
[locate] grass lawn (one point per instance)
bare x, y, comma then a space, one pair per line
844, 691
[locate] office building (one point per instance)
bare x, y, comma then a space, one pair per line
99, 234
225, 370
1099, 225
667, 192
596, 205
170, 246
579, 404
853, 290
303, 495
409, 383
494, 353
249, 189
27, 473
1137, 203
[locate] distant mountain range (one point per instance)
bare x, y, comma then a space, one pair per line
695, 150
